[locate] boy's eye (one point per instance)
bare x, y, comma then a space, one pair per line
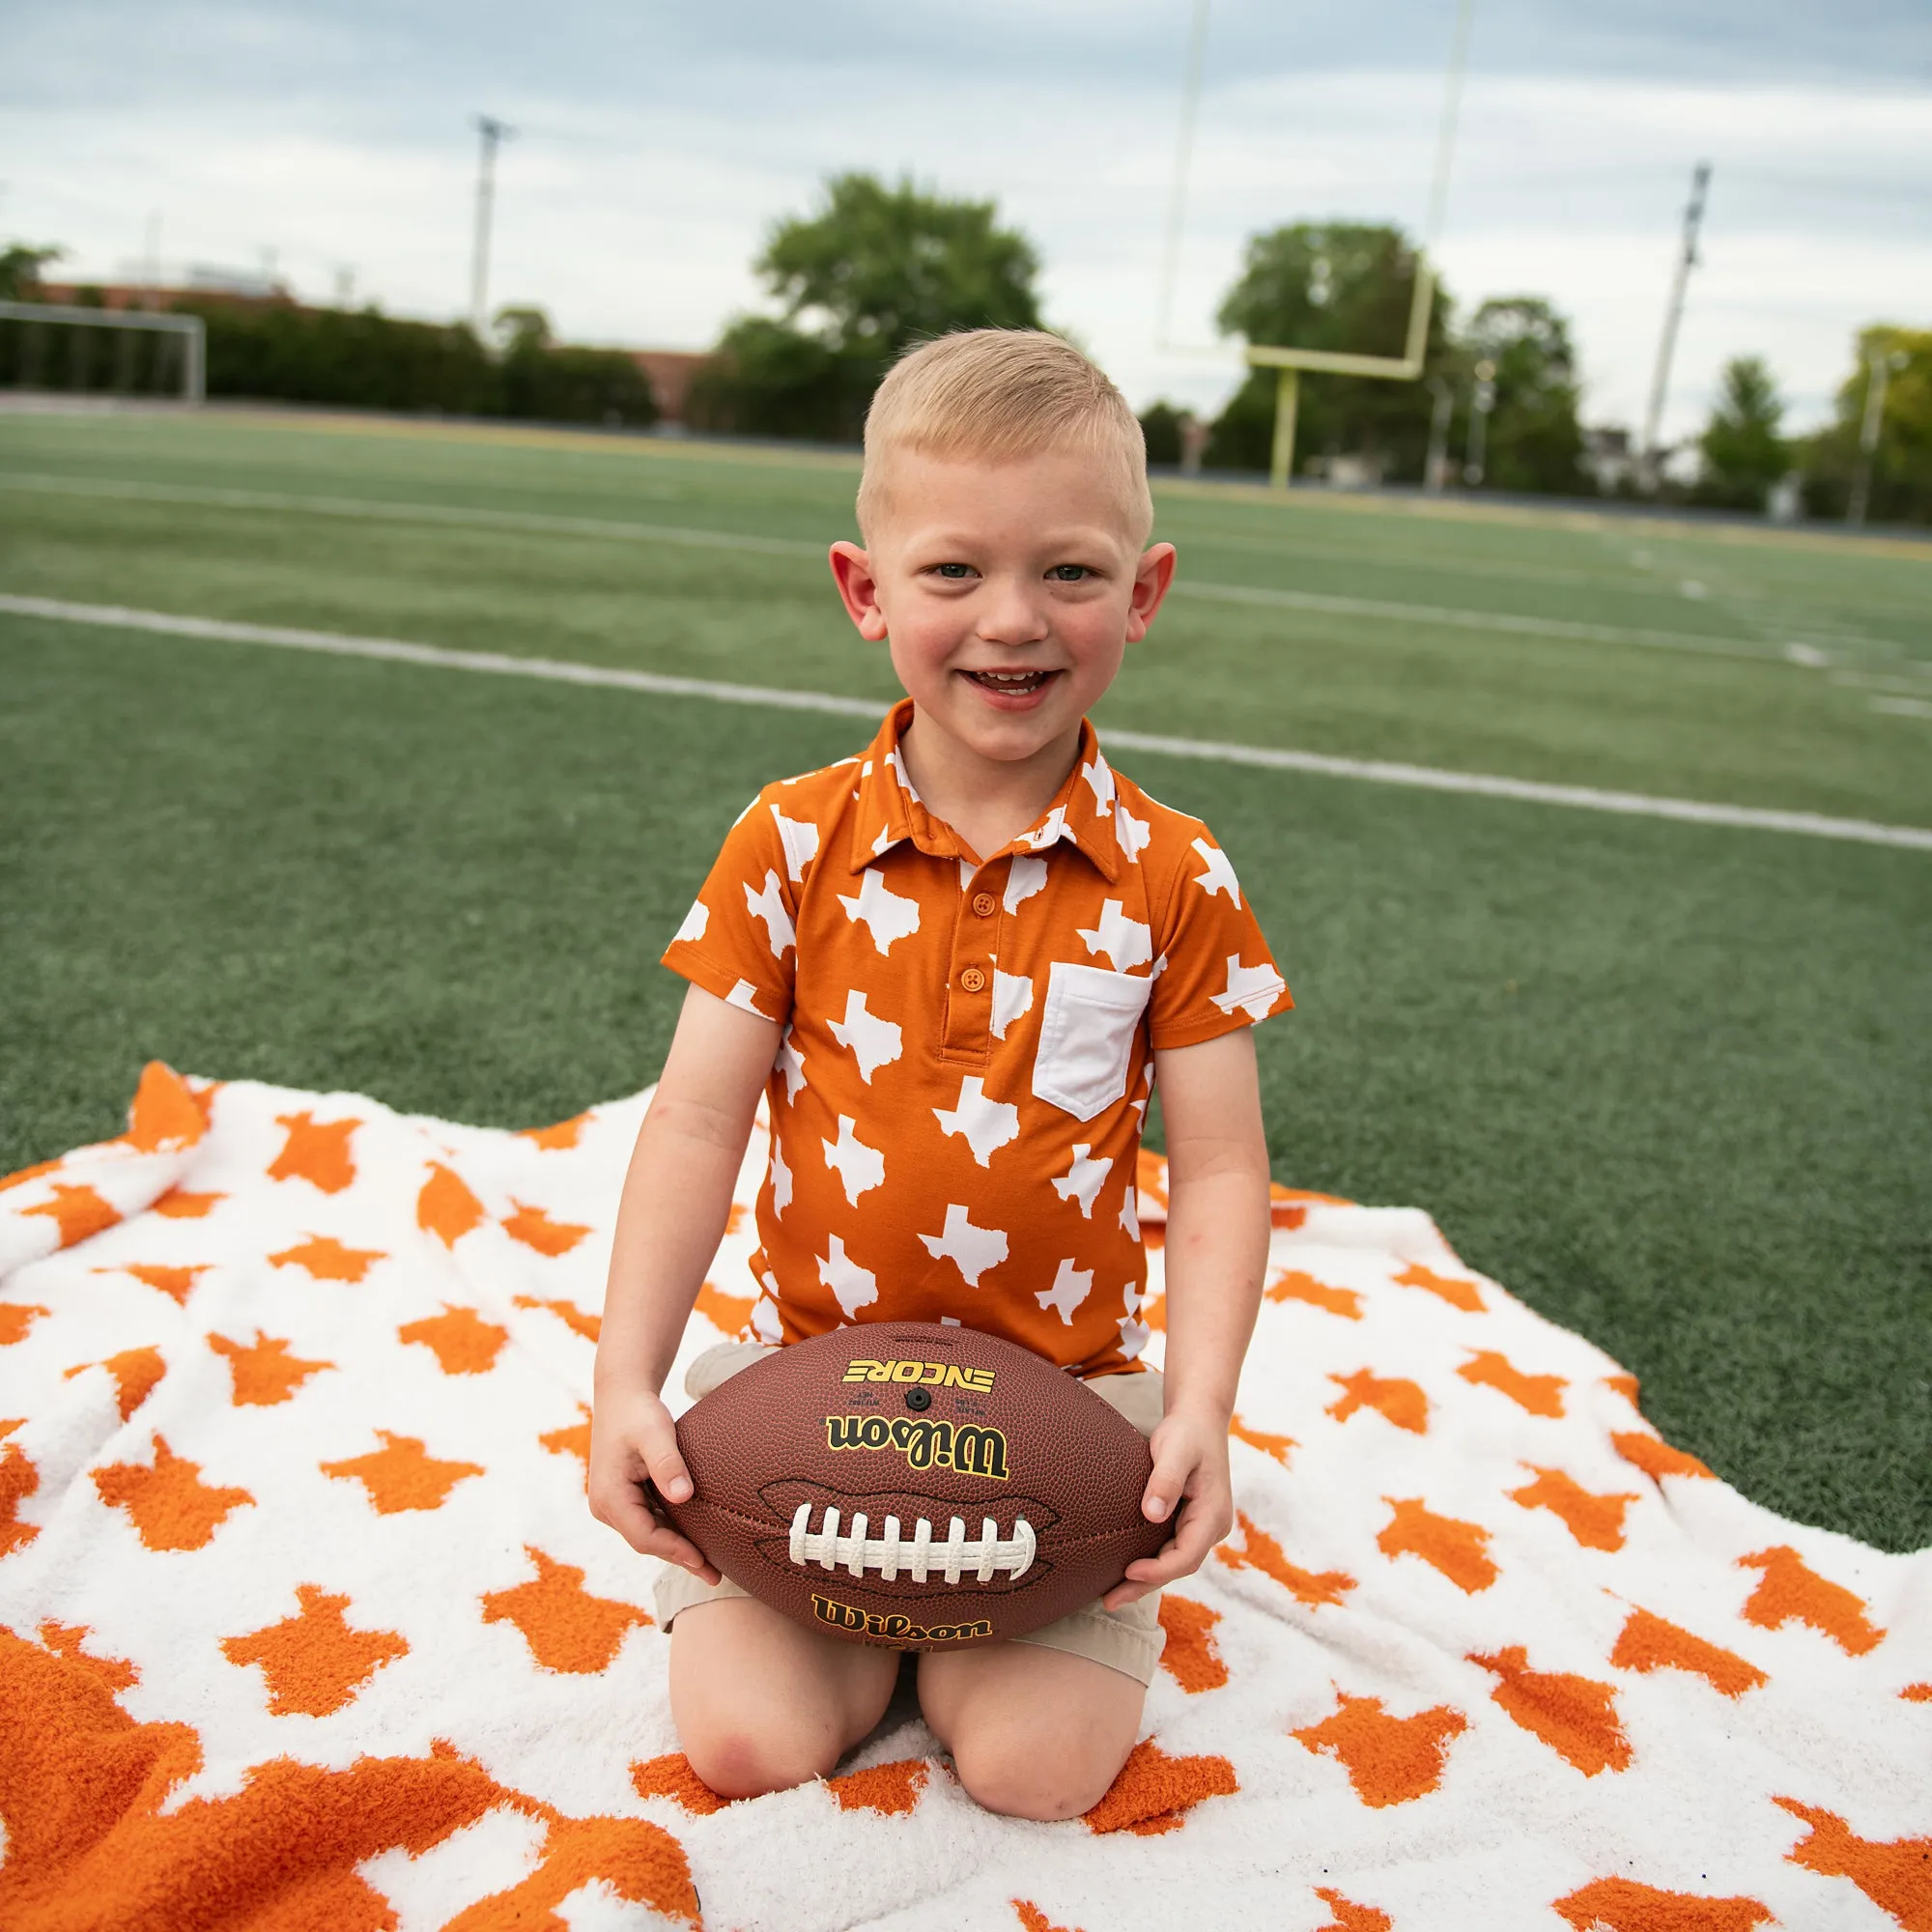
953, 572
1068, 573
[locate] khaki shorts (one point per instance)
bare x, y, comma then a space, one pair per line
1127, 1640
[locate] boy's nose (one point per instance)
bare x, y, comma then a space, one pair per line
1015, 615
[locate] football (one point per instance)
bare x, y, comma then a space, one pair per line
914, 1485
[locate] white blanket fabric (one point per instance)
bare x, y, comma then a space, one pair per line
310, 1624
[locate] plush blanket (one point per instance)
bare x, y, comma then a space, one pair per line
306, 1624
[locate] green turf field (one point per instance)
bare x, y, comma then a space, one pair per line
1670, 1083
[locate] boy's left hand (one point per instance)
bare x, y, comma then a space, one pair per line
1190, 1469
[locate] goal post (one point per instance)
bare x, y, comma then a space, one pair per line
189, 329
1288, 364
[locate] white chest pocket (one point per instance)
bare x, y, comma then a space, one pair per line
1087, 1037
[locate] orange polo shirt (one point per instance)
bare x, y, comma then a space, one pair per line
957, 1104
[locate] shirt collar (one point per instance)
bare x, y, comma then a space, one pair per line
890, 810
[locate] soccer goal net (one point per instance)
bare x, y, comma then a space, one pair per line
59, 346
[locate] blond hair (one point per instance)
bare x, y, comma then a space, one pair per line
1000, 394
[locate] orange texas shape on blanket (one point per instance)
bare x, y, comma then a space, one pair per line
1650, 1643
572, 1439
889, 1789
1896, 1875
1455, 1290
1536, 1395
169, 1505
1263, 1554
70, 1640
1191, 1654
1293, 1285
1400, 1402
1623, 1905
18, 1480
1459, 1550
134, 1372
77, 1212
1654, 1457
178, 1205
566, 1628
532, 1227
402, 1475
1153, 1791
80, 1798
316, 1151
16, 1319
462, 1342
1790, 1593
263, 1372
1276, 1446
1389, 1760
1596, 1521
326, 1259
314, 1664
558, 1139
446, 1207
1348, 1915
567, 1311
173, 1281
1574, 1715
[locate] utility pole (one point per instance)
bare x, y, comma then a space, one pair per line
1878, 368
493, 132
1666, 348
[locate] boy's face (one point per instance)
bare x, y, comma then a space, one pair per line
1008, 592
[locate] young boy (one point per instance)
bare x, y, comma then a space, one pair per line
956, 966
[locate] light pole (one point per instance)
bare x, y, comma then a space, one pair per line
1666, 348
493, 131
1880, 368
1481, 402
1435, 466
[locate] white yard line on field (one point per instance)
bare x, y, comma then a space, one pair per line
371, 510
1427, 778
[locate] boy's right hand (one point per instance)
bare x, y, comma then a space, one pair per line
633, 1439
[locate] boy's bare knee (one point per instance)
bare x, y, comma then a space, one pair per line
1026, 1777
739, 1763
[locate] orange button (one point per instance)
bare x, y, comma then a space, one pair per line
973, 980
983, 904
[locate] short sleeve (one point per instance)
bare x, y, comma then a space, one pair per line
1213, 971
738, 940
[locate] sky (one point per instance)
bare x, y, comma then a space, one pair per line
656, 144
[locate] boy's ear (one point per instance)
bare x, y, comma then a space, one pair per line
1152, 576
859, 590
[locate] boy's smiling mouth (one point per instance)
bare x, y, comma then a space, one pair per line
1010, 683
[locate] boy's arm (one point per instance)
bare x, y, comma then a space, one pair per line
1217, 1256
677, 1198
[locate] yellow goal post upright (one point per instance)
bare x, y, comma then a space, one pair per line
1288, 364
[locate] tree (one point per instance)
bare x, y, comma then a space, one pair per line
1902, 475
874, 270
1534, 441
1160, 430
20, 266
1340, 286
1744, 454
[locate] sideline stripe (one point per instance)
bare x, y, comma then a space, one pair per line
1375, 771
1447, 616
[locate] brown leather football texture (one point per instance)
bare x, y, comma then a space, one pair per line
914, 1485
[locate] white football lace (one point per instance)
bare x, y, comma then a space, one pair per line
984, 1557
